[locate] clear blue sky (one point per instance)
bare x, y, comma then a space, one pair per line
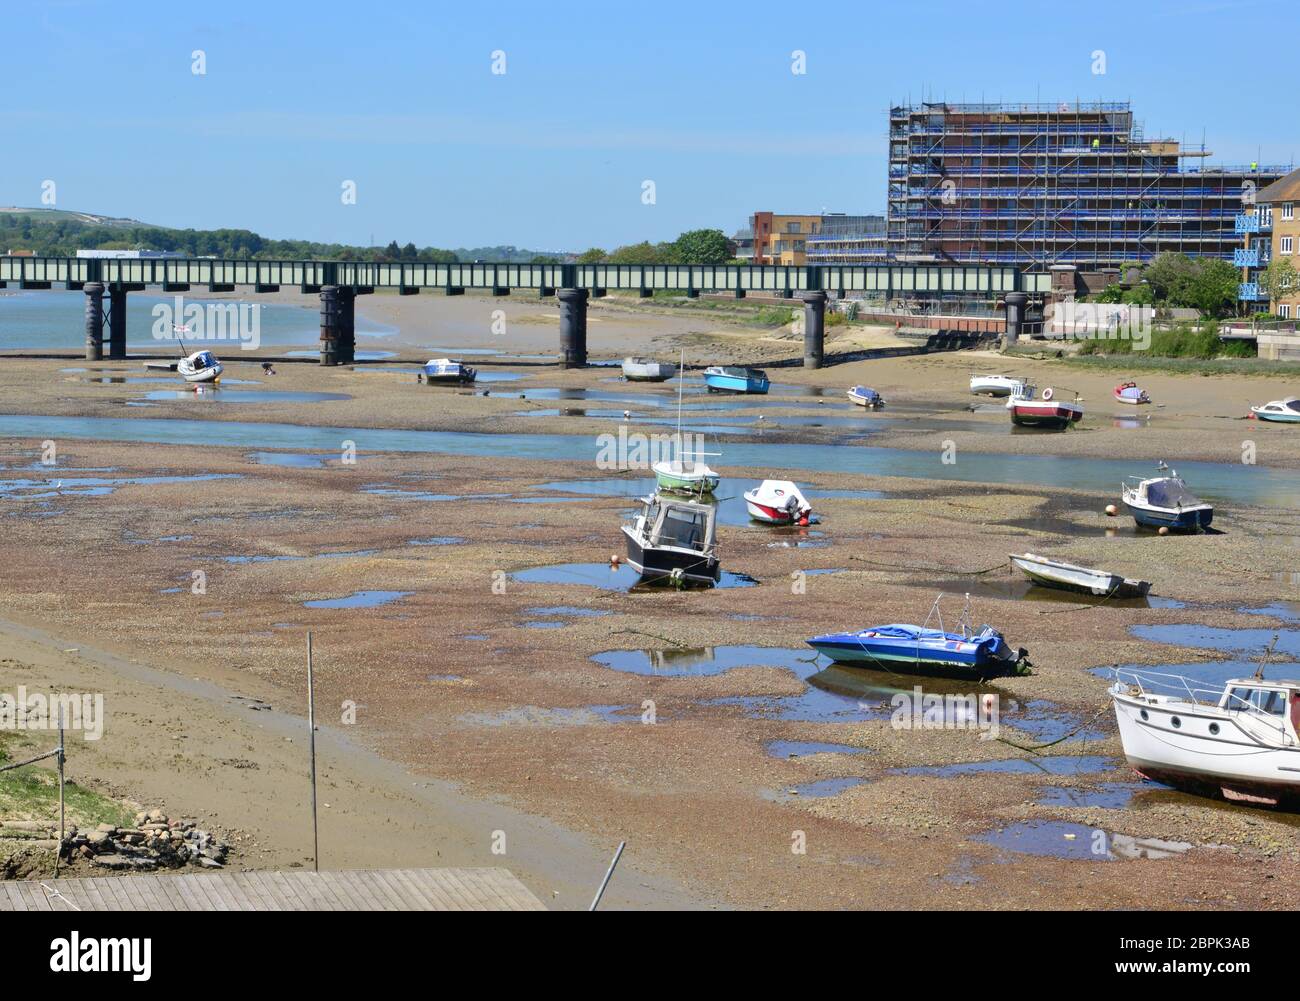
698, 97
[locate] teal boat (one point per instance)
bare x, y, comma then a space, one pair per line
1279, 411
735, 379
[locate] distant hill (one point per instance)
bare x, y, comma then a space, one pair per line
61, 233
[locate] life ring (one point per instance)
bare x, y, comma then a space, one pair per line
1047, 393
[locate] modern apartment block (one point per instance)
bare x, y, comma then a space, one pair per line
1280, 200
1054, 184
811, 239
848, 239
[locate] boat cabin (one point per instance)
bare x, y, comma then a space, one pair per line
1278, 701
680, 524
203, 359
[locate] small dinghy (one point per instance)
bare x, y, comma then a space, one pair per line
1165, 502
446, 372
778, 502
1242, 743
866, 397
998, 385
1279, 411
1068, 577
674, 539
685, 475
647, 370
983, 653
1045, 412
201, 366
735, 379
1132, 394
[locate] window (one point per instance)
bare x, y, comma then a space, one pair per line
794, 227
1288, 210
1287, 241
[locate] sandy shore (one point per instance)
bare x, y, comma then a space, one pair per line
476, 714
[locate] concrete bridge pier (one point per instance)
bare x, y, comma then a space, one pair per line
1016, 302
347, 340
330, 322
573, 327
94, 320
814, 328
117, 322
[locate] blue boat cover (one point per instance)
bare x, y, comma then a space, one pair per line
1172, 493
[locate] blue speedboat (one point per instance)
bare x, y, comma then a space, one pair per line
735, 379
1165, 502
921, 650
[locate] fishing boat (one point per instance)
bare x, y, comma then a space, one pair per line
446, 372
201, 366
778, 502
983, 653
1241, 742
1045, 412
735, 379
1279, 411
1069, 577
674, 539
998, 385
865, 397
1165, 502
1132, 394
647, 370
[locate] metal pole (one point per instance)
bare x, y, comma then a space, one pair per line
58, 852
608, 873
311, 729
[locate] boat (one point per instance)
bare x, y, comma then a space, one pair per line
685, 473
1069, 577
999, 385
674, 539
1279, 411
899, 646
1241, 743
647, 370
201, 366
735, 379
865, 397
1132, 394
1044, 412
1165, 502
445, 372
778, 502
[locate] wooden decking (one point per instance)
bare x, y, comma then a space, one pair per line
347, 890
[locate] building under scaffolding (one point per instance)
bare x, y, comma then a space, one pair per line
1052, 184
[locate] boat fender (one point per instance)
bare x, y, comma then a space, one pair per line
1047, 393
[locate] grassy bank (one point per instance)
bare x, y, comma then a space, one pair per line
32, 793
1142, 362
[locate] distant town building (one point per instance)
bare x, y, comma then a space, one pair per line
1280, 200
128, 254
773, 238
22, 253
1037, 185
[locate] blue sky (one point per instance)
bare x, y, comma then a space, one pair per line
596, 99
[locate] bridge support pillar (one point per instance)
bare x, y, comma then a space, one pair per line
814, 328
347, 343
117, 322
330, 320
94, 320
573, 327
1016, 302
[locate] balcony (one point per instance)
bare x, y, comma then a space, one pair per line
1247, 223
1251, 292
1245, 258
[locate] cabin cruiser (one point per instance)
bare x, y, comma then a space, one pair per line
1279, 411
201, 366
1165, 502
865, 396
1240, 743
647, 370
676, 540
445, 372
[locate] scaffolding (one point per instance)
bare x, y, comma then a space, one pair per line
1070, 183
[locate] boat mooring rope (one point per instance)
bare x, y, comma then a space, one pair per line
1038, 747
904, 566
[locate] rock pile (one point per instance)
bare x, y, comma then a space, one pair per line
155, 842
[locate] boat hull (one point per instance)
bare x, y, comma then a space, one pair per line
685, 483
1274, 417
871, 402
1080, 580
1231, 763
976, 658
649, 372
735, 384
1189, 520
1049, 416
659, 563
206, 375
769, 514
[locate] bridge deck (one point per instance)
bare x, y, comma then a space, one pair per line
344, 890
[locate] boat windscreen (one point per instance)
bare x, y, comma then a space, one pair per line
1171, 493
685, 529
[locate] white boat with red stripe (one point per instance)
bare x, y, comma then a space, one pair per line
778, 502
1048, 411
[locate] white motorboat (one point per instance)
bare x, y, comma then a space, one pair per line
674, 539
1279, 411
865, 396
1241, 742
446, 372
778, 502
201, 366
1069, 577
999, 385
1165, 502
647, 370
